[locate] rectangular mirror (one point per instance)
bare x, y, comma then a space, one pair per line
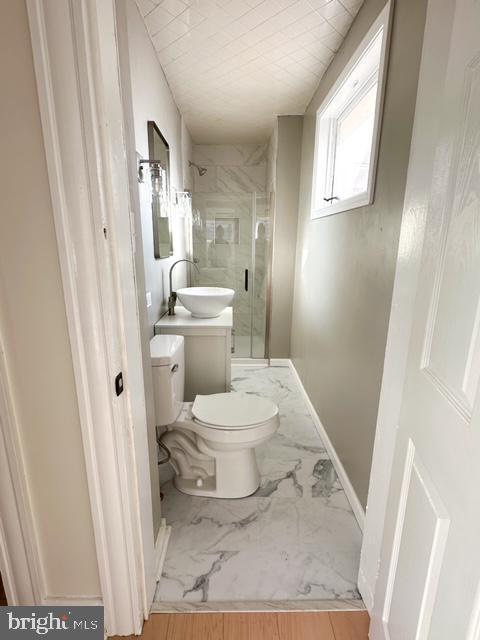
158, 150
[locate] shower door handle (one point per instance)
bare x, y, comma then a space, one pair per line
246, 279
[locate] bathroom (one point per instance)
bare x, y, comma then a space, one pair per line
232, 386
226, 209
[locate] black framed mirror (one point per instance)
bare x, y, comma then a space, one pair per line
158, 150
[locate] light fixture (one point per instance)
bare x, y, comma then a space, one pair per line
156, 175
141, 169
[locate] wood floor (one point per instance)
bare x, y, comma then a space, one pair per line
323, 625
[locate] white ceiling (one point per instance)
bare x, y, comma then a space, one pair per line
233, 65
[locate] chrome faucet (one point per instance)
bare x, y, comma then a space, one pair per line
172, 298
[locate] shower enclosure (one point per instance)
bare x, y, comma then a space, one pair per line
231, 235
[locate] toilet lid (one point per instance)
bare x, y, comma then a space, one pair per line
233, 410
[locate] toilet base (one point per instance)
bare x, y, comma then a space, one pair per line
236, 476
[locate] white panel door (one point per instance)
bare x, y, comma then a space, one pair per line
430, 567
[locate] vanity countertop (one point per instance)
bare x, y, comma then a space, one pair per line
184, 319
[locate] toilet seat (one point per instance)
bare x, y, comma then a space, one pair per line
211, 441
233, 411
220, 419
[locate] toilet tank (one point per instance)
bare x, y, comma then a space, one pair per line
168, 371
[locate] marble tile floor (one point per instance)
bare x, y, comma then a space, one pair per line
295, 540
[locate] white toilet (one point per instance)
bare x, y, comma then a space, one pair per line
212, 440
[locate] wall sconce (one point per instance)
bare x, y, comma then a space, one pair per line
155, 164
156, 175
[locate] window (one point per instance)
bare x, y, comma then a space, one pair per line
348, 126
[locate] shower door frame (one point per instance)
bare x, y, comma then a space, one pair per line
253, 263
269, 199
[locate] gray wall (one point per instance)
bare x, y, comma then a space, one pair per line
152, 100
345, 263
146, 96
287, 143
33, 328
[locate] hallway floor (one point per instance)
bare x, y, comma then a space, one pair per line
336, 625
294, 542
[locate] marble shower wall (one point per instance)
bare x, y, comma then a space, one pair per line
232, 230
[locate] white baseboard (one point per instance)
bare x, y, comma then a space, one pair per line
352, 497
260, 362
72, 601
249, 362
365, 591
161, 544
280, 362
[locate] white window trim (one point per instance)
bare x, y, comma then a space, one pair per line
384, 21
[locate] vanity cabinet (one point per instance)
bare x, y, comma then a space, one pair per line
208, 350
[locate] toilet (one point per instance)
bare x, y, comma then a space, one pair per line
211, 440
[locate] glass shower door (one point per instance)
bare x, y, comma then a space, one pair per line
230, 247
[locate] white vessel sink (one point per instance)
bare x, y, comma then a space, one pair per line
205, 302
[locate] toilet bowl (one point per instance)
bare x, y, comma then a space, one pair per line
212, 440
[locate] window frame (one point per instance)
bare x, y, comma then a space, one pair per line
326, 128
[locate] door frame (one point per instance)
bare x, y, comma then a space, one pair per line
78, 80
